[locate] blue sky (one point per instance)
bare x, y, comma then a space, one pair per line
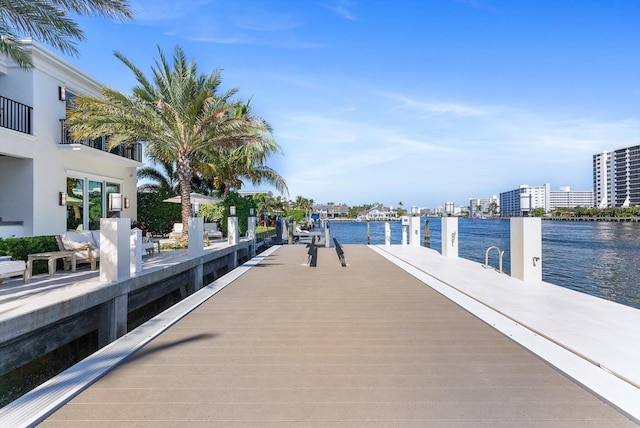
418, 101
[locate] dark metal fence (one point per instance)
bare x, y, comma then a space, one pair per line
15, 116
134, 152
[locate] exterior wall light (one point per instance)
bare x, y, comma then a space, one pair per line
115, 202
62, 199
127, 204
62, 93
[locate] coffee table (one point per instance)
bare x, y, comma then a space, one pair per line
51, 258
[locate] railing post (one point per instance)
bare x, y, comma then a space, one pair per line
251, 234
387, 233
526, 248
450, 236
196, 237
115, 249
414, 231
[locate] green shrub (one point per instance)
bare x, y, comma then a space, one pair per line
242, 204
20, 248
157, 216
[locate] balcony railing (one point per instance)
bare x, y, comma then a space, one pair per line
15, 116
134, 152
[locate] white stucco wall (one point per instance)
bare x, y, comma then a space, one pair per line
35, 167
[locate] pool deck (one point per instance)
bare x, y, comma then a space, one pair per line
402, 336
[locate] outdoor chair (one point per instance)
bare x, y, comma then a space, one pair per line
176, 233
85, 243
211, 231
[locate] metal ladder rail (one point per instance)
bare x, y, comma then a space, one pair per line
486, 258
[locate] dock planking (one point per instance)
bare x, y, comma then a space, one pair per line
364, 345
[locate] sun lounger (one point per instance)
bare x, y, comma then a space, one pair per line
176, 233
13, 268
211, 231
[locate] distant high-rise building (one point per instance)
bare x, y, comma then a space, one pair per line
616, 177
520, 201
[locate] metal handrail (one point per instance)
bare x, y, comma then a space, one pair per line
486, 258
133, 152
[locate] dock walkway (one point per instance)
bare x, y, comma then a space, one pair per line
282, 344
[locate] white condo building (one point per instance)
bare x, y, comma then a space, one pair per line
616, 177
518, 202
481, 206
48, 183
567, 198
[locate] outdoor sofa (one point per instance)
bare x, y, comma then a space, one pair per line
85, 243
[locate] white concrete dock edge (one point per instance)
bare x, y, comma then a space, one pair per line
621, 394
33, 407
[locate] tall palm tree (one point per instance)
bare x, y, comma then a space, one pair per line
179, 115
48, 21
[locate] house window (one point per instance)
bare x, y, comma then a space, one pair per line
96, 203
87, 202
75, 203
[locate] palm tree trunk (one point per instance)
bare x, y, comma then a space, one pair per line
185, 172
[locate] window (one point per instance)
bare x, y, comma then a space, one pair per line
75, 204
87, 202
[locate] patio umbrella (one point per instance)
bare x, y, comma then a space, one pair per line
196, 198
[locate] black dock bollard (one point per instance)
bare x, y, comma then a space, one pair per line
313, 253
340, 252
427, 234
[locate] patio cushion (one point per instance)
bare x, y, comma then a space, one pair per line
78, 240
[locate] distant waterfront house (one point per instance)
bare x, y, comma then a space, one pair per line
378, 213
49, 183
331, 211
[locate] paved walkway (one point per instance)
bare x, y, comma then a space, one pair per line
366, 345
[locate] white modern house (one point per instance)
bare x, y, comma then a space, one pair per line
378, 213
48, 183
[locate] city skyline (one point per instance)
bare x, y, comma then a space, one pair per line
425, 103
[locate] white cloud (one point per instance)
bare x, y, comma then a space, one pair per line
433, 108
342, 7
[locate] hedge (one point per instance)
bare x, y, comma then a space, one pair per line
20, 248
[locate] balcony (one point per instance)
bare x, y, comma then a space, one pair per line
133, 153
15, 116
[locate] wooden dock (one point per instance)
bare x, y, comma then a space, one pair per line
281, 344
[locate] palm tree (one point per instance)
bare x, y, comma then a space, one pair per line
48, 21
226, 168
304, 204
179, 115
265, 204
162, 180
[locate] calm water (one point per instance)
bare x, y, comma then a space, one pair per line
598, 258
